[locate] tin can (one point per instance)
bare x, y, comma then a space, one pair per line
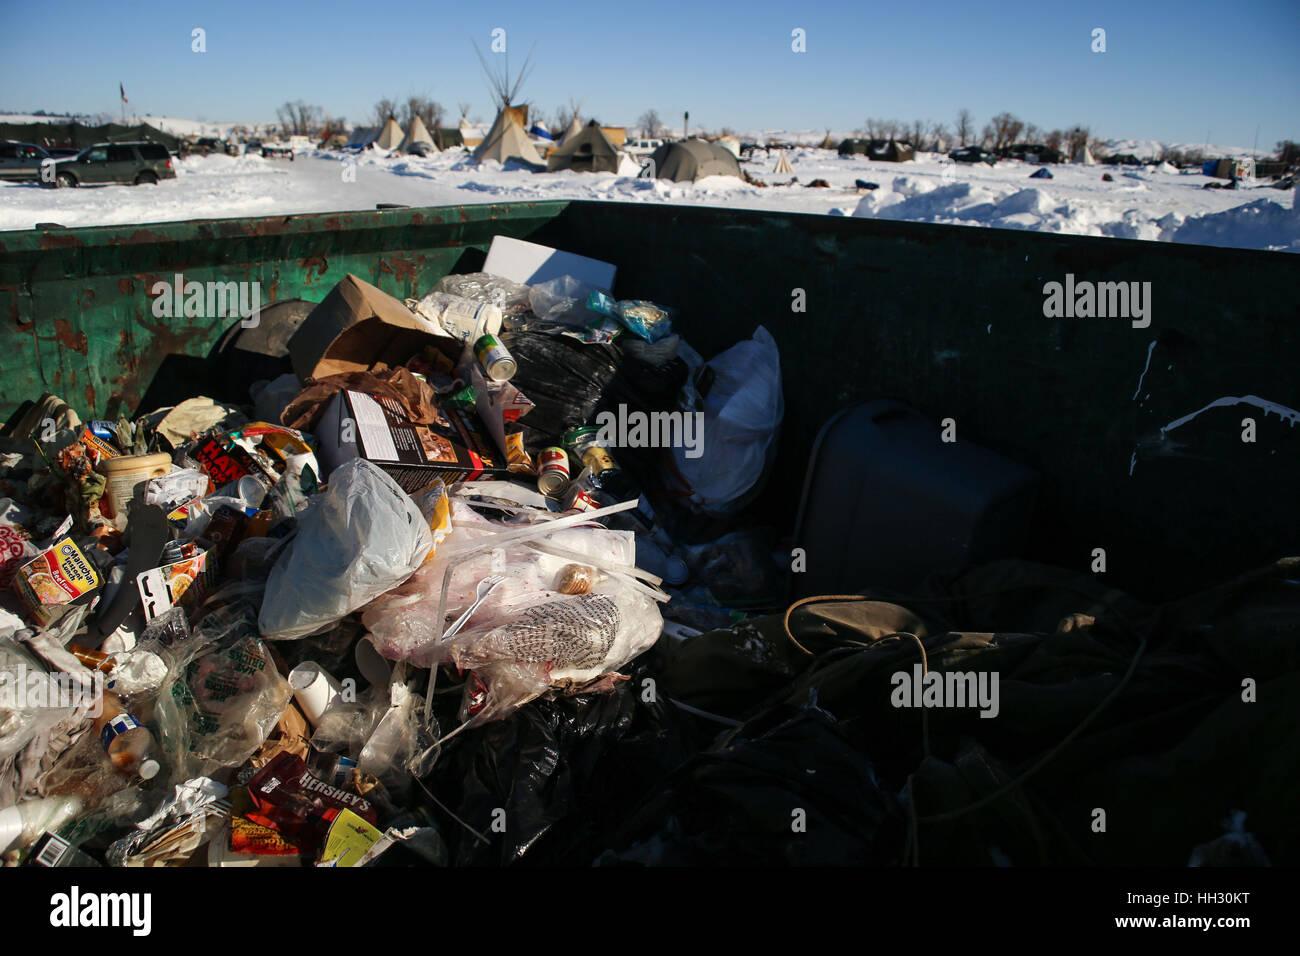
102, 429
494, 358
579, 498
552, 471
586, 446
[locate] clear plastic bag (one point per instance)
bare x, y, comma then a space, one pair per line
230, 695
360, 538
562, 301
508, 296
527, 637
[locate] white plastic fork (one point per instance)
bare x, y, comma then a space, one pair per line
484, 589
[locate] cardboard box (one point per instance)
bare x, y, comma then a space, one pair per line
57, 579
529, 263
455, 448
354, 327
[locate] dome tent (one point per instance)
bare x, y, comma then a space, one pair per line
693, 160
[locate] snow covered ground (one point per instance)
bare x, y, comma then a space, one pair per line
1139, 204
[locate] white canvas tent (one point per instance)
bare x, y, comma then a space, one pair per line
783, 164
470, 134
1084, 157
418, 133
507, 140
730, 144
574, 129
390, 136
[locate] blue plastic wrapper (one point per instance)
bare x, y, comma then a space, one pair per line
650, 321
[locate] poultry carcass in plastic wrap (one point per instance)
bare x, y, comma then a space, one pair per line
569, 611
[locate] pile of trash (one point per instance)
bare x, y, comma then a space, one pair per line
272, 628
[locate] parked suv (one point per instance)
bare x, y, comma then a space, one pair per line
135, 163
21, 161
973, 154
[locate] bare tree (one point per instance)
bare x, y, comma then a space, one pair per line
965, 126
1005, 130
297, 118
429, 111
650, 124
1032, 133
385, 109
916, 134
1054, 139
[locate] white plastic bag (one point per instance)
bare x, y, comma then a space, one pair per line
742, 413
362, 537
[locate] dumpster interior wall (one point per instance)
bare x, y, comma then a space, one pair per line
947, 319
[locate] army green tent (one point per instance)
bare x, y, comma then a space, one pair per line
693, 159
80, 136
588, 151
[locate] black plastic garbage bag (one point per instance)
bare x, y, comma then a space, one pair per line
548, 784
786, 789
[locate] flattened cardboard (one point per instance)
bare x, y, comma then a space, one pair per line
356, 326
530, 263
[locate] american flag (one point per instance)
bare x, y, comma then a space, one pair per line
122, 89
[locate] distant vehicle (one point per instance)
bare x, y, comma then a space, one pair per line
1033, 153
277, 151
207, 145
1123, 159
135, 163
642, 147
21, 162
252, 146
420, 149
973, 154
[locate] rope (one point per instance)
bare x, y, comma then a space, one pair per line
912, 842
478, 836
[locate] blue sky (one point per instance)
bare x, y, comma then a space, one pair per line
1171, 71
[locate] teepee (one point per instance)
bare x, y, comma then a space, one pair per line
390, 136
507, 140
575, 127
783, 164
1084, 156
416, 135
